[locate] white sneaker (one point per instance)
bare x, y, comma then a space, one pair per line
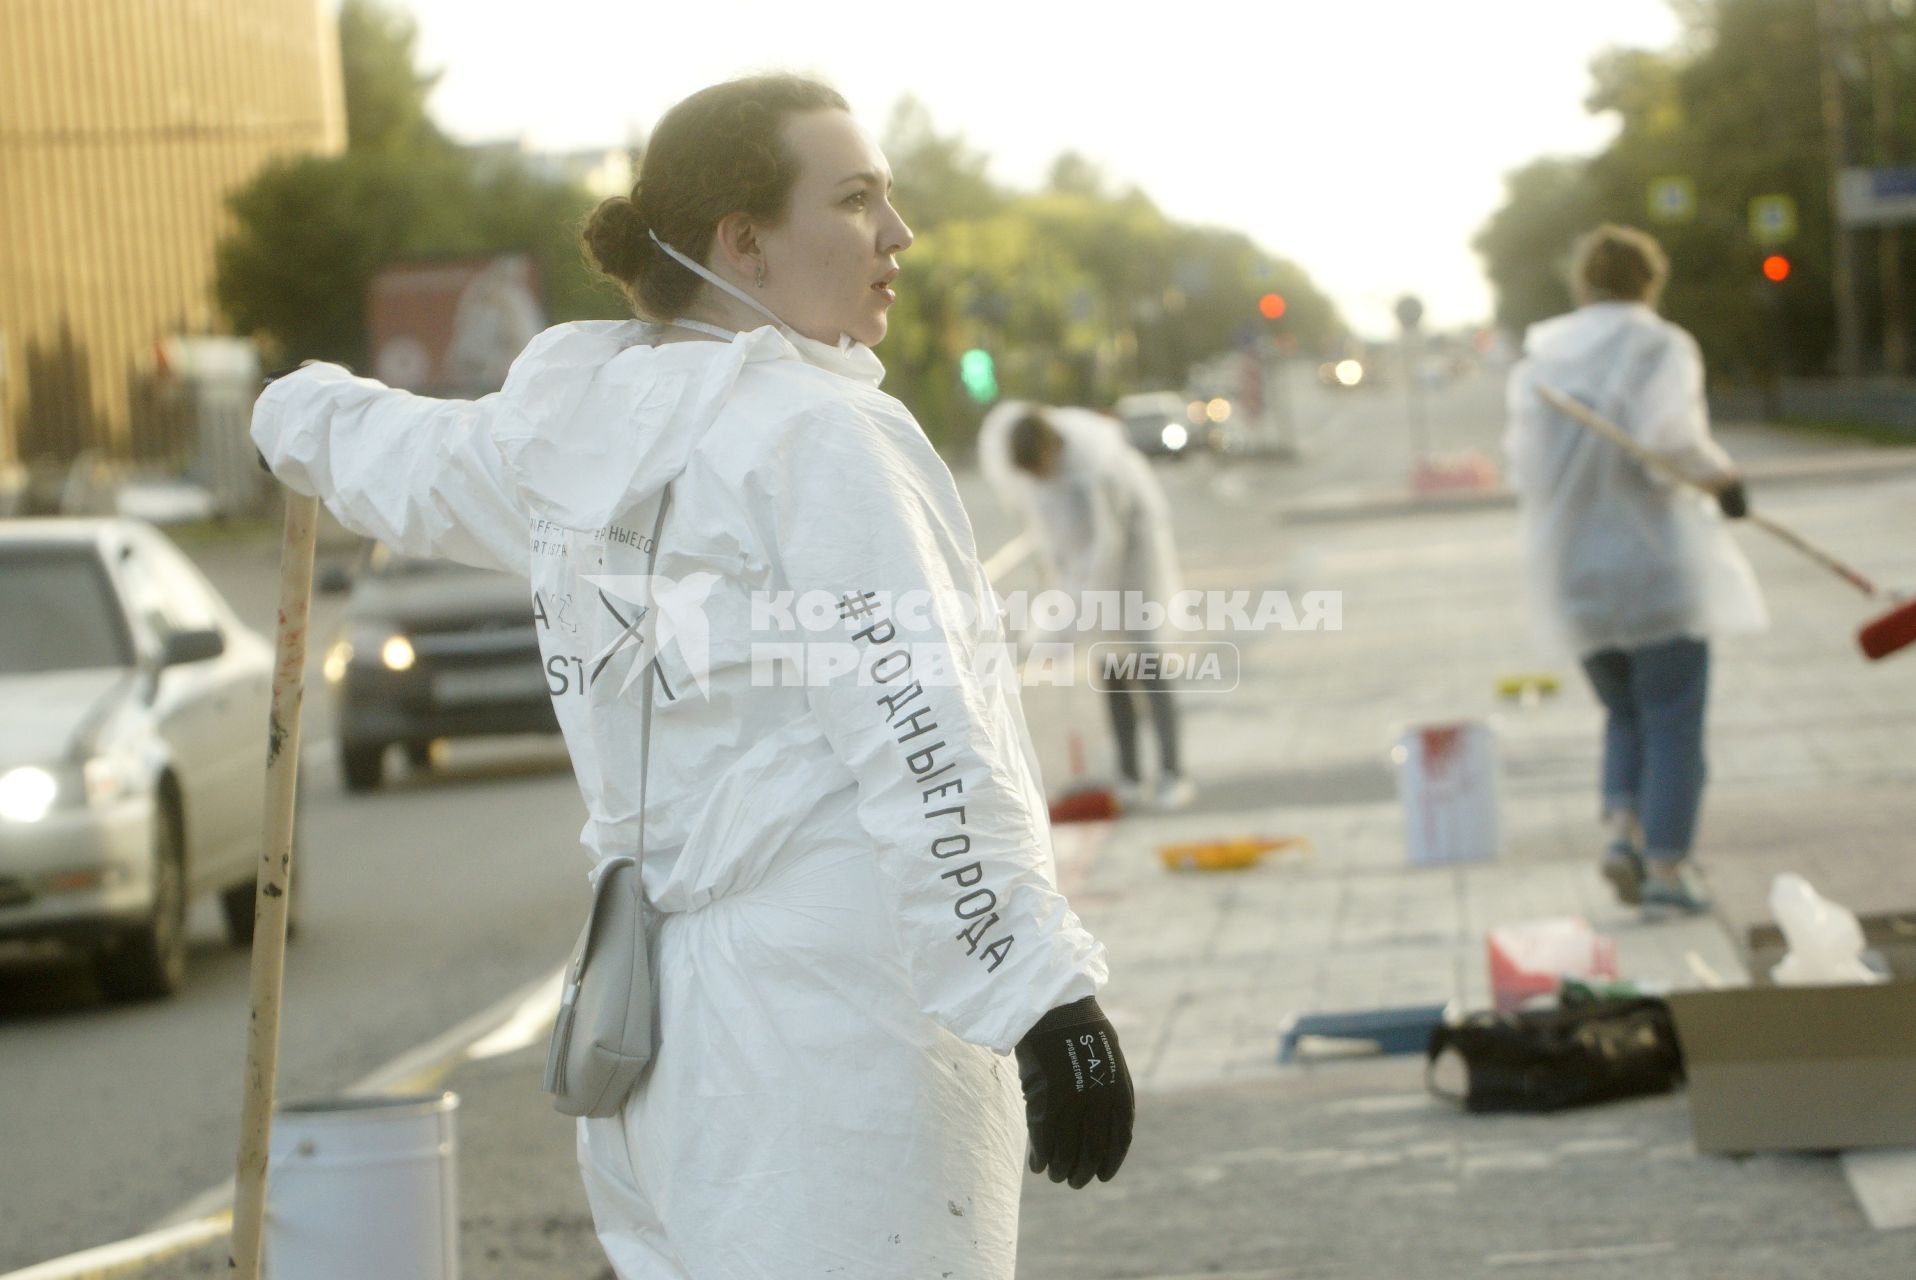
1173, 793
1130, 793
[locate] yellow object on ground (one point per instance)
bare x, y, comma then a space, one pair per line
1232, 854
1533, 685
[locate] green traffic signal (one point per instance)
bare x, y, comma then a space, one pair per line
979, 373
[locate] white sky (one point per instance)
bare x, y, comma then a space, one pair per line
1364, 139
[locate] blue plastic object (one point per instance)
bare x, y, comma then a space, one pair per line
1405, 1029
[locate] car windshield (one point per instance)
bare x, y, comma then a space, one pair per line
58, 612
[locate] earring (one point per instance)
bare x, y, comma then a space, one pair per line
759, 280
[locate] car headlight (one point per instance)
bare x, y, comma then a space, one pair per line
370, 641
1175, 436
397, 653
26, 793
338, 658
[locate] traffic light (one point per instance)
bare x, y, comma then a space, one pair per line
1272, 306
1776, 268
979, 373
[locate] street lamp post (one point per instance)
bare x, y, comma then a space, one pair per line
1410, 314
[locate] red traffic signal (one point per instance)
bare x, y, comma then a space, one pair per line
1776, 268
1271, 306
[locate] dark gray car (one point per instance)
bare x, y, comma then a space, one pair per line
431, 649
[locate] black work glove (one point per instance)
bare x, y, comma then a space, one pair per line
1078, 1097
1733, 500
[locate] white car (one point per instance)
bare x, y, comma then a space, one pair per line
133, 713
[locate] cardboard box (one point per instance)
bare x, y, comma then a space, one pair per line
1800, 1068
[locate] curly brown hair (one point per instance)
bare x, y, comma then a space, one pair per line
1619, 264
720, 151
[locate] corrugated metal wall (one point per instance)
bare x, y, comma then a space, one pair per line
124, 124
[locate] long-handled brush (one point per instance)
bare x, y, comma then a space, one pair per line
274, 883
1881, 636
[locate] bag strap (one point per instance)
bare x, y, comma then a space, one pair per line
1440, 1040
645, 695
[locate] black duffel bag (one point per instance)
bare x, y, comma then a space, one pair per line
1549, 1059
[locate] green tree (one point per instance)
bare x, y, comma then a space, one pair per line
939, 177
385, 91
1736, 107
312, 233
1080, 295
1526, 244
1076, 175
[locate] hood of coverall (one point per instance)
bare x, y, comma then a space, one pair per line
597, 416
1587, 340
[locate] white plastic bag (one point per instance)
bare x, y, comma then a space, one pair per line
1825, 939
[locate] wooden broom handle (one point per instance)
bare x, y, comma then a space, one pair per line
274, 889
1585, 416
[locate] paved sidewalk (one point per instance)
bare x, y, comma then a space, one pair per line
1347, 1168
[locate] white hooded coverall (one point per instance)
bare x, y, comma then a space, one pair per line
858, 914
1102, 519
1619, 557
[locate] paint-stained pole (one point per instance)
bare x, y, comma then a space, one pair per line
275, 882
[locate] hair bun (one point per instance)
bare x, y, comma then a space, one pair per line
615, 237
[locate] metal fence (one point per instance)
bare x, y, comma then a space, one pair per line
1882, 403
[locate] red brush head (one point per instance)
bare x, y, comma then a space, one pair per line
1894, 630
1094, 804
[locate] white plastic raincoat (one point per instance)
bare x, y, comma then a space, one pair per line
1617, 556
1102, 520
856, 880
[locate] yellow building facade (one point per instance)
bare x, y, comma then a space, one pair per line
124, 126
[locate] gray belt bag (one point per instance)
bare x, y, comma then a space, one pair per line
603, 1038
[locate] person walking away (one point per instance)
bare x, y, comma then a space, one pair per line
1632, 572
851, 873
1097, 507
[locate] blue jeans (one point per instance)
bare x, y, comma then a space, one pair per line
1653, 760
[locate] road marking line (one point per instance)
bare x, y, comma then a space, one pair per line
1595, 1253
507, 1025
129, 1257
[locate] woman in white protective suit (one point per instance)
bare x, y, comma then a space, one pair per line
846, 842
1633, 573
1104, 525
